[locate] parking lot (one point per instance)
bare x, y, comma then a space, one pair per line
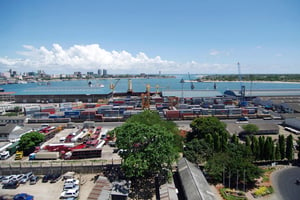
46, 191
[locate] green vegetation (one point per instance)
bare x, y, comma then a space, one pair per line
149, 145
254, 77
29, 141
225, 158
250, 129
229, 194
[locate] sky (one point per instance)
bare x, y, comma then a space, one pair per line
150, 36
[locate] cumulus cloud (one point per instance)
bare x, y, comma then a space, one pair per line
214, 52
92, 57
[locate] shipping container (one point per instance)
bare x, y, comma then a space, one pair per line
32, 109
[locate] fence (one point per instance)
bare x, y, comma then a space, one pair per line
53, 167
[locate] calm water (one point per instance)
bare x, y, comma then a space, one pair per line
139, 85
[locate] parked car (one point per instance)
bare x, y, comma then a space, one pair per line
46, 178
55, 178
26, 177
69, 193
23, 196
11, 184
33, 180
18, 177
6, 179
71, 181
70, 187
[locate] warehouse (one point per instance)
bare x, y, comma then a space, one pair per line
293, 123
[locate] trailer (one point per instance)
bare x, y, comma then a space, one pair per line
13, 148
44, 155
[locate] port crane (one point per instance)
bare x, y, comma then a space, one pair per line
243, 88
192, 84
113, 86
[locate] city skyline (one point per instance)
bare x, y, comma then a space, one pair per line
132, 37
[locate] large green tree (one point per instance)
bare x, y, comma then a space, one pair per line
202, 126
232, 165
149, 148
250, 129
281, 144
289, 148
29, 141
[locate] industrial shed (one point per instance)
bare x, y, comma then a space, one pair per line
191, 93
292, 122
193, 182
265, 93
264, 129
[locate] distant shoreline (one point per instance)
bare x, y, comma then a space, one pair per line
277, 82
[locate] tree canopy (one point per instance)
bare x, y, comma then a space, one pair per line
148, 147
206, 125
29, 141
250, 129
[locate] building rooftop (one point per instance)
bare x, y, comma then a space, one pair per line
265, 93
191, 93
193, 181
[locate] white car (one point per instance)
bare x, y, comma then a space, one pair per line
6, 179
69, 193
70, 187
71, 181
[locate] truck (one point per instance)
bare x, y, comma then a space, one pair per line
19, 155
44, 155
12, 149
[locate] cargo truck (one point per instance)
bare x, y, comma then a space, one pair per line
44, 155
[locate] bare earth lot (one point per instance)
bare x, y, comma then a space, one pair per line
52, 191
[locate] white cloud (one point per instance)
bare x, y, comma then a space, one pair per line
214, 52
92, 57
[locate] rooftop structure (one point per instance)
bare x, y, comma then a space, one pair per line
191, 93
193, 181
264, 93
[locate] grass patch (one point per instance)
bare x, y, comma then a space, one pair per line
230, 194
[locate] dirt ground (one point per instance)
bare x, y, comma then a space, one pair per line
52, 191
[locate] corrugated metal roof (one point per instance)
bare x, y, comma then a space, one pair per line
193, 181
191, 93
267, 93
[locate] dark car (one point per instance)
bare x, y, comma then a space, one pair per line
23, 196
11, 184
55, 178
33, 180
46, 178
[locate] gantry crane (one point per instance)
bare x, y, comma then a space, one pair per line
243, 88
146, 98
192, 84
112, 86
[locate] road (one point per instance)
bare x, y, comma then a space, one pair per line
284, 185
181, 124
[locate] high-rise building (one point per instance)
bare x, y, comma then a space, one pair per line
104, 72
99, 72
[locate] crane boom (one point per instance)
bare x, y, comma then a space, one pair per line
243, 88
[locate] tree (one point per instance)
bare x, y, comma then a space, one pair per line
207, 125
148, 148
250, 129
281, 143
289, 148
255, 147
29, 141
234, 162
198, 151
277, 153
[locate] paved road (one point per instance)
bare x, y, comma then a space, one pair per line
284, 183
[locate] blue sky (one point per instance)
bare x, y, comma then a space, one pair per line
135, 36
